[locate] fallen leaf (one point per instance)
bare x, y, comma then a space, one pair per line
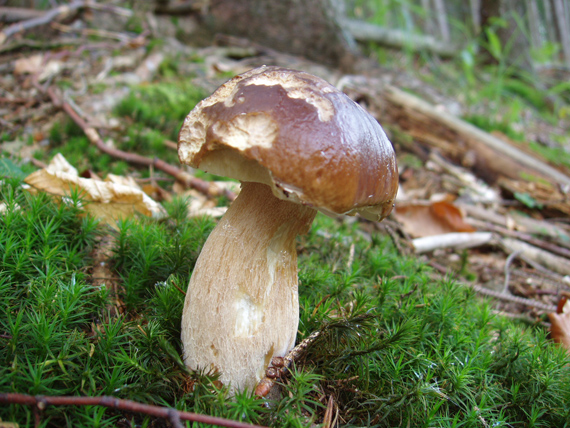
59, 164
35, 65
106, 200
431, 218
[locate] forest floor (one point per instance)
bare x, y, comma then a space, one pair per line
111, 102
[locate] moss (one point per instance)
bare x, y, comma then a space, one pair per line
396, 347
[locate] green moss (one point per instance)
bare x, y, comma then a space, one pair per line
397, 348
489, 124
161, 107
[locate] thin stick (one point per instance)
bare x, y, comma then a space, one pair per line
202, 186
60, 11
40, 402
281, 365
507, 269
499, 295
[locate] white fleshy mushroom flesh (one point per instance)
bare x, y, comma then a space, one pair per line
297, 145
247, 277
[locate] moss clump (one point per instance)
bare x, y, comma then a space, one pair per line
160, 107
396, 347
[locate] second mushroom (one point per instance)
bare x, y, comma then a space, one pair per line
298, 145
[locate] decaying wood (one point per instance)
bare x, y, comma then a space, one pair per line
512, 220
555, 263
456, 138
544, 194
202, 186
365, 31
545, 245
15, 14
457, 240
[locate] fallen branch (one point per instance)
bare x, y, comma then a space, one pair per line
457, 240
545, 245
46, 18
41, 402
207, 188
39, 18
15, 14
280, 365
497, 294
365, 31
555, 263
423, 120
180, 7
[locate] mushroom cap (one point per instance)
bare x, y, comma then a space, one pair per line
299, 135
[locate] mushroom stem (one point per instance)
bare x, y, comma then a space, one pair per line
241, 308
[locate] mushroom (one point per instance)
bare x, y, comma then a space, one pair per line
298, 145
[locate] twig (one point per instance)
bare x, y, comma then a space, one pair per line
15, 14
544, 258
57, 12
280, 365
39, 44
40, 402
499, 295
507, 269
93, 32
202, 186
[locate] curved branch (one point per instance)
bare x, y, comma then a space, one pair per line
169, 413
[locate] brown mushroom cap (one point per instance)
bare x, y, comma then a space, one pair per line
298, 134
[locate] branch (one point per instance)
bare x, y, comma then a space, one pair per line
41, 18
202, 186
15, 14
364, 31
169, 413
280, 365
57, 12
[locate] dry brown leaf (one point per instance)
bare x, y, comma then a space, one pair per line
433, 218
35, 65
560, 328
106, 200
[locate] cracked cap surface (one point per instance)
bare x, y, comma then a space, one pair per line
299, 135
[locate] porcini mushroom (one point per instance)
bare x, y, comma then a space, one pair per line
298, 145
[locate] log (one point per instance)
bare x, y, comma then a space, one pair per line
455, 138
552, 262
365, 31
310, 29
458, 240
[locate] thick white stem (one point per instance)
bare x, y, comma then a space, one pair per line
241, 306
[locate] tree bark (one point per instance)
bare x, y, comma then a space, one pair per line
306, 28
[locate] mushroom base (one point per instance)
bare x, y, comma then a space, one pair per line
241, 307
